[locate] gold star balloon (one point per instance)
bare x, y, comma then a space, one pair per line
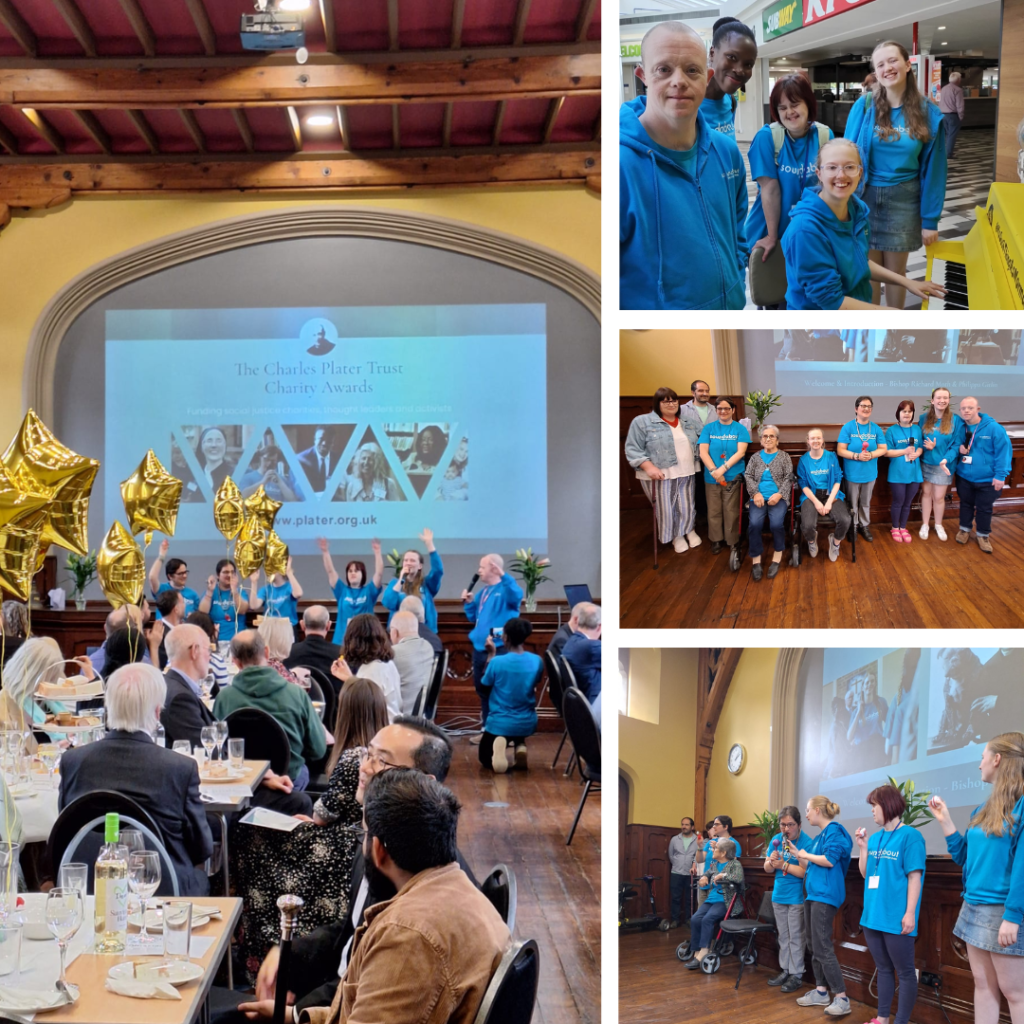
262, 507
250, 548
276, 558
38, 463
228, 511
151, 497
121, 567
22, 516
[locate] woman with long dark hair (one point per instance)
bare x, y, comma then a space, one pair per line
366, 652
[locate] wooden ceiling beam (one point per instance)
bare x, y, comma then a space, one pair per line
138, 119
499, 120
11, 19
327, 20
201, 20
519, 27
393, 25
343, 126
396, 129
192, 127
446, 127
554, 109
44, 129
80, 28
295, 129
8, 139
458, 15
140, 25
243, 86
90, 122
244, 128
586, 16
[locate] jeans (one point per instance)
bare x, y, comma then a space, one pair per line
704, 924
776, 516
818, 919
952, 123
976, 501
860, 501
301, 780
809, 518
789, 923
894, 958
681, 887
902, 497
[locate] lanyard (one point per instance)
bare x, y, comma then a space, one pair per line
725, 452
883, 846
860, 436
974, 434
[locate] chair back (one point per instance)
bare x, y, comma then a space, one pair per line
421, 697
500, 888
765, 912
316, 694
568, 676
265, 740
330, 694
78, 833
512, 992
437, 678
554, 672
583, 732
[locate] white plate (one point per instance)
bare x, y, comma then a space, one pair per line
155, 920
28, 1001
174, 972
230, 775
22, 790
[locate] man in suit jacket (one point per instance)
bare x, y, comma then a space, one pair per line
128, 761
583, 651
316, 651
415, 605
319, 461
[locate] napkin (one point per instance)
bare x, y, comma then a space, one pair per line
142, 989
57, 599
26, 999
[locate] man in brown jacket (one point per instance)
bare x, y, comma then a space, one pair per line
426, 955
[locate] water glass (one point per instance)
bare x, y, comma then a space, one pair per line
74, 876
177, 929
144, 879
200, 755
64, 913
49, 754
208, 737
182, 747
236, 752
10, 947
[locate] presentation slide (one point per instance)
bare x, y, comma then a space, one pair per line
363, 422
912, 713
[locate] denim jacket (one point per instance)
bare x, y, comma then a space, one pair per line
650, 437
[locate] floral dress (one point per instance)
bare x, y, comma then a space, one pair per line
311, 861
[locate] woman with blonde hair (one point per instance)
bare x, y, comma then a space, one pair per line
818, 475
943, 432
992, 857
823, 866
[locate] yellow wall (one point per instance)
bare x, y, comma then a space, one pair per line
747, 719
649, 360
660, 758
42, 250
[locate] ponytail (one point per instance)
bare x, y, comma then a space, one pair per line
824, 805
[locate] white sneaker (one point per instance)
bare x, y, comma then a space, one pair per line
812, 548
694, 540
814, 998
499, 762
838, 1007
940, 532
923, 532
680, 545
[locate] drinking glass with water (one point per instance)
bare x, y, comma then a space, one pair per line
177, 928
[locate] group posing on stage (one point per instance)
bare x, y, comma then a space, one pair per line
926, 453
836, 219
809, 888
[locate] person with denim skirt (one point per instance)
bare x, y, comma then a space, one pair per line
788, 898
824, 864
991, 854
942, 433
662, 447
984, 465
769, 476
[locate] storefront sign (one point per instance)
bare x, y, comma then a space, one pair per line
629, 50
936, 80
783, 17
819, 10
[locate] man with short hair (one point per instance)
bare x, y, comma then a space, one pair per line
116, 620
414, 604
177, 578
682, 192
414, 657
170, 604
316, 651
318, 461
699, 407
583, 651
682, 851
981, 472
951, 103
161, 781
565, 630
258, 685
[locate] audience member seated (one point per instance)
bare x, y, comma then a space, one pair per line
278, 637
722, 879
565, 630
257, 685
217, 669
125, 646
583, 651
414, 604
118, 619
414, 658
511, 681
170, 604
316, 651
367, 653
161, 781
14, 626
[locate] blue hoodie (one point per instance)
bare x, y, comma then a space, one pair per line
826, 258
903, 159
991, 452
818, 474
828, 885
681, 239
947, 446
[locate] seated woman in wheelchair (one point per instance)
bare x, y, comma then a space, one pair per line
769, 476
724, 878
818, 475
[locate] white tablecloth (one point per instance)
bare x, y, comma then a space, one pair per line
38, 814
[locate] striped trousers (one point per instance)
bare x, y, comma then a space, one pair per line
675, 508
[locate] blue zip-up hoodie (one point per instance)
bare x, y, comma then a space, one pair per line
828, 885
991, 453
826, 258
931, 157
681, 238
819, 474
947, 446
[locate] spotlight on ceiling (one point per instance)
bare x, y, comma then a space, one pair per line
293, 5
319, 120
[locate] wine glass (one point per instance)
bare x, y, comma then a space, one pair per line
64, 912
208, 737
144, 880
49, 754
220, 732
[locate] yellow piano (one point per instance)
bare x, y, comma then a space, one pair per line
986, 269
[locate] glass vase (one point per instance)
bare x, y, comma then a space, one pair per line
80, 600
530, 601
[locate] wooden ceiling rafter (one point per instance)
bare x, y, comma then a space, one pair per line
8, 140
193, 128
446, 125
295, 129
44, 129
554, 109
499, 121
244, 129
145, 130
204, 27
140, 25
80, 27
458, 15
586, 16
519, 26
393, 25
11, 19
341, 113
327, 20
396, 129
91, 123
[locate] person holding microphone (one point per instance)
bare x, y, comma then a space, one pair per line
788, 898
722, 445
412, 581
860, 443
892, 864
992, 857
904, 447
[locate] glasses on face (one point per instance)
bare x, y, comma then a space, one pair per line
865, 405
724, 408
670, 401
787, 824
378, 762
180, 574
847, 169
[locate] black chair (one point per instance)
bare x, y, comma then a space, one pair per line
330, 694
421, 697
512, 991
500, 888
740, 926
554, 670
824, 522
437, 677
78, 833
585, 737
265, 740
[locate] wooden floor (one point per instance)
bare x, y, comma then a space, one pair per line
559, 886
655, 988
926, 584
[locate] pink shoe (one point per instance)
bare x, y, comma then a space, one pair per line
907, 539
897, 535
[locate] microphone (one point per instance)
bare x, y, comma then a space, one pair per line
472, 583
401, 583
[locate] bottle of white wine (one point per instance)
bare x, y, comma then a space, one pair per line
111, 916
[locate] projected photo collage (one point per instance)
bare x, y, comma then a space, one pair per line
977, 347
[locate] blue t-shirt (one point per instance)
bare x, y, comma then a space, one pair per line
223, 614
897, 159
352, 601
892, 856
828, 885
191, 598
788, 889
901, 471
685, 158
766, 485
720, 116
860, 437
512, 708
818, 474
723, 441
279, 601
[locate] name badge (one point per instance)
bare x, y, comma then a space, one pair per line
966, 458
873, 882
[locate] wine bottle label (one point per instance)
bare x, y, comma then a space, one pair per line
117, 904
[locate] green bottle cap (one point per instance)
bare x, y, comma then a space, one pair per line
112, 828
